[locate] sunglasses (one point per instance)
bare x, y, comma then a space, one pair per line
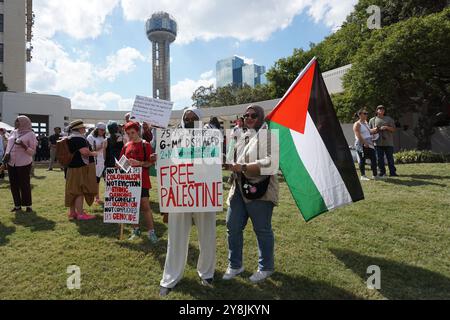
254, 116
190, 119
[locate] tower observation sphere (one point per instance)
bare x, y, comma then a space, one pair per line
161, 30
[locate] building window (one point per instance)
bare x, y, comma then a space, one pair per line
1, 53
1, 22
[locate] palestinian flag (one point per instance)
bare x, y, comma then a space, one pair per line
314, 155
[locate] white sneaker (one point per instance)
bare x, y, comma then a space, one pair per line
260, 276
231, 273
364, 178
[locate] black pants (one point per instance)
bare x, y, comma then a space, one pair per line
368, 153
19, 180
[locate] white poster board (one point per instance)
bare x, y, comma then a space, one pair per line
155, 112
189, 170
122, 196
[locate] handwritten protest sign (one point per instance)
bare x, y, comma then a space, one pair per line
155, 112
123, 196
189, 170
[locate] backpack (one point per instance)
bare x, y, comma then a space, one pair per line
63, 154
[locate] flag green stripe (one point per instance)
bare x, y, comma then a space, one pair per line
304, 191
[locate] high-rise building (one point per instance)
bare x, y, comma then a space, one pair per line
253, 75
236, 72
16, 22
229, 71
161, 31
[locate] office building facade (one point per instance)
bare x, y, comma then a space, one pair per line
16, 22
229, 72
234, 71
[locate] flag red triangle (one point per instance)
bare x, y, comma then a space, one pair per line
292, 110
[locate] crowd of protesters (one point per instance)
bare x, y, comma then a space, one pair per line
93, 151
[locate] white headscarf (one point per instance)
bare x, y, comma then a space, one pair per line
195, 110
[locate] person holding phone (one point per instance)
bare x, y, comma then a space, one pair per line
21, 148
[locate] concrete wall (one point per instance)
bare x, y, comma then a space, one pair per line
14, 37
14, 104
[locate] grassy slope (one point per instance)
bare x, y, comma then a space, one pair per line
403, 227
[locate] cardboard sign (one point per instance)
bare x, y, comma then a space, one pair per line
153, 111
189, 170
123, 196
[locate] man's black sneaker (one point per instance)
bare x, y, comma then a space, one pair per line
394, 175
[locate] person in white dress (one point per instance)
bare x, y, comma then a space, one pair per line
97, 140
180, 225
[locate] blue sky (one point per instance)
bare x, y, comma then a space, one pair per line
98, 54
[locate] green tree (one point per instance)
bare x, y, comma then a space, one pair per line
231, 95
406, 67
340, 48
203, 96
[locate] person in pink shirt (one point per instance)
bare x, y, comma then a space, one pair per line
19, 154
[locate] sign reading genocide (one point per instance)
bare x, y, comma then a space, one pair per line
123, 196
155, 112
189, 169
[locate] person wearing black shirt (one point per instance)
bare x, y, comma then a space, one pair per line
52, 144
81, 182
114, 145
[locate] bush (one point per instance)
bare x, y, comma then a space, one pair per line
415, 156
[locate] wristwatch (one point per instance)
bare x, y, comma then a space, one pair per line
244, 167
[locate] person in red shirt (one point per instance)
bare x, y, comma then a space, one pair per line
140, 154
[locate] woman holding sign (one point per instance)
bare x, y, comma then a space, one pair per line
140, 154
253, 194
180, 225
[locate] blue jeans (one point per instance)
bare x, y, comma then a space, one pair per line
260, 212
389, 152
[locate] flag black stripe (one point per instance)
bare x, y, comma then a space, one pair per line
324, 116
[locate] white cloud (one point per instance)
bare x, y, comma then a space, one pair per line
123, 61
246, 60
53, 71
79, 19
332, 12
207, 75
242, 20
96, 101
182, 91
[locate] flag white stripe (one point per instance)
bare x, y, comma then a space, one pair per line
321, 168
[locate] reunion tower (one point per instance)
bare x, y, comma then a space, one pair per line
161, 31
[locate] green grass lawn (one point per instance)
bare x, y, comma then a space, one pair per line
403, 226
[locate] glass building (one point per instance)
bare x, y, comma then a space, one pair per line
234, 71
229, 71
253, 75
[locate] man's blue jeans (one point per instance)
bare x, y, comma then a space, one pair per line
260, 212
389, 152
